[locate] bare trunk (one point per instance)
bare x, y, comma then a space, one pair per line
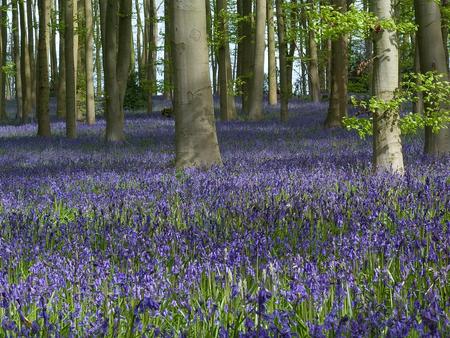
196, 139
168, 72
314, 67
17, 60
25, 66
432, 58
89, 63
30, 15
273, 97
3, 51
245, 51
61, 100
282, 43
43, 88
387, 147
71, 104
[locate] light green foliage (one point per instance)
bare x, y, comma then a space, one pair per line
436, 96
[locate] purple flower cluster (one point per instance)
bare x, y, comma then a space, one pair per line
292, 237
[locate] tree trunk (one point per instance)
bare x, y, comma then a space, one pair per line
387, 147
339, 76
314, 65
139, 37
291, 42
89, 63
432, 58
418, 106
195, 131
25, 66
227, 104
61, 100
3, 51
273, 97
17, 60
245, 51
117, 65
43, 88
30, 15
69, 44
282, 43
53, 55
151, 52
168, 72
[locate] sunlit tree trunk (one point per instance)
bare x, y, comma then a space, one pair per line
61, 99
273, 97
227, 104
25, 66
387, 147
31, 45
256, 105
196, 139
168, 72
43, 88
432, 58
89, 63
282, 45
53, 50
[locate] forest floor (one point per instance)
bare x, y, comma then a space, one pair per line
292, 236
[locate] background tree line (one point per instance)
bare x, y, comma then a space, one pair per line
96, 57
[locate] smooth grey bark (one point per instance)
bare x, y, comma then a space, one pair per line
168, 66
272, 76
31, 50
387, 147
282, 45
195, 130
42, 74
3, 51
432, 58
25, 66
256, 104
227, 102
89, 62
418, 106
69, 44
61, 96
314, 66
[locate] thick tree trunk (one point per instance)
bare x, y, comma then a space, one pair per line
227, 103
43, 88
256, 105
387, 147
89, 63
432, 58
196, 139
339, 76
25, 66
71, 103
17, 60
282, 43
273, 97
61, 99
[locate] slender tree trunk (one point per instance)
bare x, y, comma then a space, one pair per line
43, 88
25, 66
282, 43
273, 97
387, 147
53, 52
245, 51
138, 38
432, 58
291, 40
117, 65
31, 45
313, 64
227, 104
17, 60
3, 51
151, 53
195, 131
168, 73
98, 51
89, 63
418, 106
61, 100
257, 89
339, 76
71, 103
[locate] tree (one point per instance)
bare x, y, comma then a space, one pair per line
313, 62
339, 76
3, 51
432, 58
282, 43
42, 82
117, 65
257, 87
69, 44
25, 66
227, 104
195, 131
61, 95
17, 59
245, 50
273, 97
89, 63
387, 147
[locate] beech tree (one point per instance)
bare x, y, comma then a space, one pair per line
195, 130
